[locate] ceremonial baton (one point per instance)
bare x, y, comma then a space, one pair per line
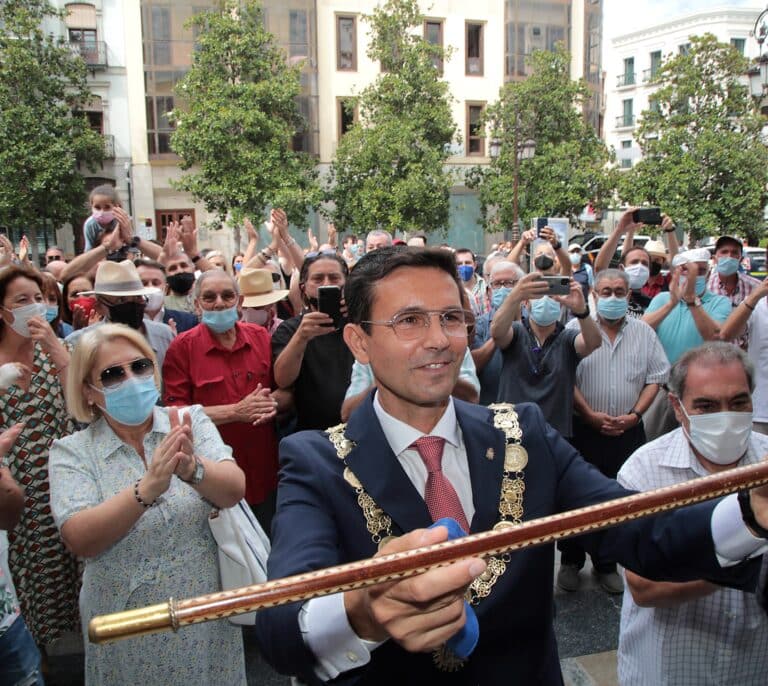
505, 537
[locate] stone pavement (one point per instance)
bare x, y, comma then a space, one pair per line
586, 625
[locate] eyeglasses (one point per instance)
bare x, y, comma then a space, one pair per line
608, 292
506, 283
409, 326
112, 377
53, 258
210, 297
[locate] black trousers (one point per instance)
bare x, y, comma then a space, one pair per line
607, 453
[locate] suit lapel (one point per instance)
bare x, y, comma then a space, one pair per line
380, 473
485, 455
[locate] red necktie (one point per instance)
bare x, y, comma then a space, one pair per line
439, 494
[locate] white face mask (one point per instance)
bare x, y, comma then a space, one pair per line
154, 301
255, 316
638, 275
720, 437
575, 258
22, 315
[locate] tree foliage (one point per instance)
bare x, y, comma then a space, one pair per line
238, 118
389, 167
568, 167
704, 161
43, 134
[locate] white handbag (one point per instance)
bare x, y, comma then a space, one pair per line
243, 551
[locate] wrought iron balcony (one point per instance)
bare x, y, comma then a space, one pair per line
93, 52
625, 121
626, 79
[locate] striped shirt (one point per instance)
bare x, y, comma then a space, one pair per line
745, 284
612, 377
719, 639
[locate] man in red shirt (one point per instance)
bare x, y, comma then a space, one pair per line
226, 366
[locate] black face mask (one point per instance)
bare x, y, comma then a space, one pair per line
655, 269
130, 314
181, 283
543, 262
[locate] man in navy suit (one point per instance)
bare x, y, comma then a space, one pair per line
405, 322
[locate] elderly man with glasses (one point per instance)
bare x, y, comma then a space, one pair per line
225, 365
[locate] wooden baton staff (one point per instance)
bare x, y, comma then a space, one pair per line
178, 613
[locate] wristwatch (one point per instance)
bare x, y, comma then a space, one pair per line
696, 302
583, 315
748, 515
198, 474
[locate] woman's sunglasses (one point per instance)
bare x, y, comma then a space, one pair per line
114, 376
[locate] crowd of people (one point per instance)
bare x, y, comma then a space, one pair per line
143, 384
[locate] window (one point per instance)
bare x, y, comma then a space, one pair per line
626, 144
653, 105
433, 34
684, 48
475, 133
159, 129
739, 44
626, 163
627, 118
347, 114
628, 77
346, 44
298, 36
474, 49
165, 217
655, 59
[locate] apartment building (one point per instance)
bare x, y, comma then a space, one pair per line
634, 58
149, 48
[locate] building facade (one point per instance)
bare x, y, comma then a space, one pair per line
635, 57
149, 47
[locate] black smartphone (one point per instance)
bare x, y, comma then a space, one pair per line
541, 222
329, 302
558, 285
647, 215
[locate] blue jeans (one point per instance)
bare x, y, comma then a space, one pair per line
19, 657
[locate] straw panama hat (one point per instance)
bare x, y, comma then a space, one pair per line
256, 288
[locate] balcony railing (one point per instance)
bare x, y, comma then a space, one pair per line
625, 121
94, 53
109, 146
627, 79
649, 74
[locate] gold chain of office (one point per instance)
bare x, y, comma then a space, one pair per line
379, 524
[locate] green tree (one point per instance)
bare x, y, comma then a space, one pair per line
389, 167
237, 119
546, 148
704, 161
44, 137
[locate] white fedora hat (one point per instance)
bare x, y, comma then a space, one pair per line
257, 288
118, 279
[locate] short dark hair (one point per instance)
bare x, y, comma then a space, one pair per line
360, 287
9, 274
152, 264
711, 352
458, 250
623, 259
326, 255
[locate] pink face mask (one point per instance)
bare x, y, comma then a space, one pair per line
254, 316
104, 218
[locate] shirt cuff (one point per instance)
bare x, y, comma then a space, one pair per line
734, 542
327, 633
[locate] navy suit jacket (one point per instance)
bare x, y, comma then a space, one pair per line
319, 524
184, 320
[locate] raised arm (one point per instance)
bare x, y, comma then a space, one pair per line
624, 225
528, 287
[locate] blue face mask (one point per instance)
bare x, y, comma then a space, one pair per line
612, 308
51, 312
466, 272
545, 311
726, 266
220, 321
701, 284
499, 295
131, 402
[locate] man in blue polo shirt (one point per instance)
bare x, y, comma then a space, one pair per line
684, 317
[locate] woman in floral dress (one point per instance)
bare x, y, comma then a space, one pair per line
32, 363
